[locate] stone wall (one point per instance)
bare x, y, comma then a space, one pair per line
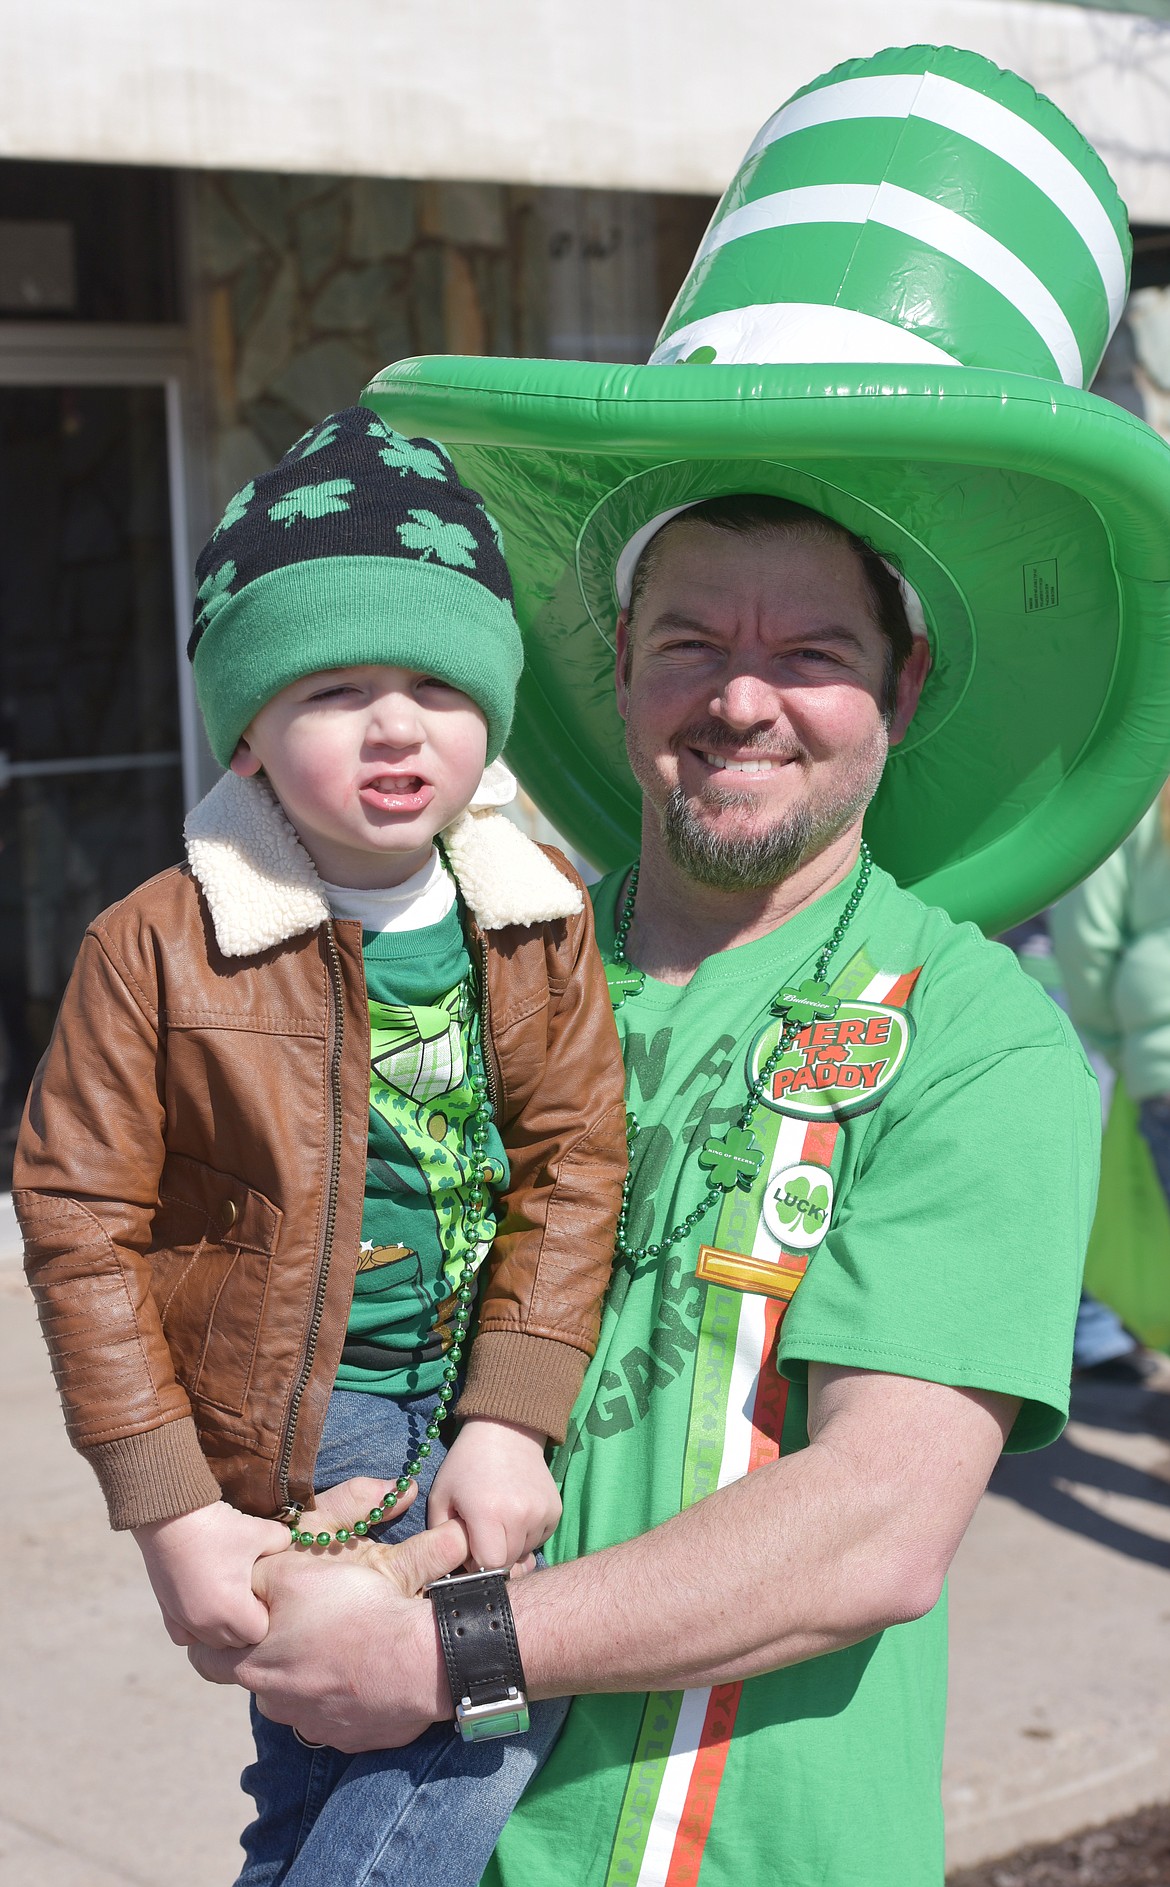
303, 287
1145, 335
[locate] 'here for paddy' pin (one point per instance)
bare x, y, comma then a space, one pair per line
841, 1062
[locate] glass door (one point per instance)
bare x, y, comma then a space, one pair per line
91, 774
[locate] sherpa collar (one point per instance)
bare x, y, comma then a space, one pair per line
262, 887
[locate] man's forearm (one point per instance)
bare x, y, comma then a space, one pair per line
810, 1553
767, 1572
813, 1552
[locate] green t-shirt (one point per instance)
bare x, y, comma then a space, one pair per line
424, 1039
926, 1194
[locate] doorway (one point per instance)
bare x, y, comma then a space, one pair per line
97, 756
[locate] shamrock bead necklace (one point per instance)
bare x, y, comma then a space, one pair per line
478, 1225
736, 1159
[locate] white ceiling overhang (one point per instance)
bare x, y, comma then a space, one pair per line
632, 94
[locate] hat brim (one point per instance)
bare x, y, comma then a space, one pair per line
1031, 518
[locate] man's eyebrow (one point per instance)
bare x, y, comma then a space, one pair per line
833, 632
675, 619
823, 632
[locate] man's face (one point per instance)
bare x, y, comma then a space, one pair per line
752, 703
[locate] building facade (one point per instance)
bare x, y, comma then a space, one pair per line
164, 336
181, 295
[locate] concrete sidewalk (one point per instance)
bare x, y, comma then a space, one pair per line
118, 1767
1060, 1632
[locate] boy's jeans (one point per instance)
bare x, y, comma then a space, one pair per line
425, 1816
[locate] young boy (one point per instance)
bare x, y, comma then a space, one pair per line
295, 1082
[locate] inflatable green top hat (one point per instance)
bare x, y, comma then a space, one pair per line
891, 318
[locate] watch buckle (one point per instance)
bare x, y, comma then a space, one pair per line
462, 1579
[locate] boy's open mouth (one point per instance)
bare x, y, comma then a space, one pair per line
396, 792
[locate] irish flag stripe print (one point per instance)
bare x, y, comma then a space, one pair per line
736, 1424
674, 1785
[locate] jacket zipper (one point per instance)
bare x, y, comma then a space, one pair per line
291, 1508
486, 1045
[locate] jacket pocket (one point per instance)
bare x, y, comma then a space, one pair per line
213, 1241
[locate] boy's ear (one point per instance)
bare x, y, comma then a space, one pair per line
244, 761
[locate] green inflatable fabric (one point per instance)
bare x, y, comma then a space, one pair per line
868, 329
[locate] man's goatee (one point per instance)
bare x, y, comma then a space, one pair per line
735, 864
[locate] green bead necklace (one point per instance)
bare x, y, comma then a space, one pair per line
734, 1160
478, 1224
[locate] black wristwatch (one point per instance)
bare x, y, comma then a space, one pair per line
478, 1636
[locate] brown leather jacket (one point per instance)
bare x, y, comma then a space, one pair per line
190, 1172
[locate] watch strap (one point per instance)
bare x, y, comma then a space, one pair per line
477, 1634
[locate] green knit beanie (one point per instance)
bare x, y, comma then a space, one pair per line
360, 546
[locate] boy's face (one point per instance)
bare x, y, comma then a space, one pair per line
368, 764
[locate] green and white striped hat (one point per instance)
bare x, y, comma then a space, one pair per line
891, 319
921, 206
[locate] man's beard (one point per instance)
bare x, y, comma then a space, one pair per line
758, 860
728, 862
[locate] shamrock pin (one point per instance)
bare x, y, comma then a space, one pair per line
733, 1161
623, 981
237, 506
803, 1205
403, 457
450, 543
312, 501
809, 1003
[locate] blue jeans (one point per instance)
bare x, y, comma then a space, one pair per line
1100, 1335
425, 1816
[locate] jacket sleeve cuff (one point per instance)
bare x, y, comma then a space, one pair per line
533, 1381
155, 1475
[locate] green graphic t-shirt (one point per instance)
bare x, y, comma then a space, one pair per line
424, 1038
922, 1208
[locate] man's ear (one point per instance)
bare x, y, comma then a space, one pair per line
621, 678
910, 685
244, 761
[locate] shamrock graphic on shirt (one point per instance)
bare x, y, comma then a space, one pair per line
419, 1086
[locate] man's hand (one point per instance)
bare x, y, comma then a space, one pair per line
201, 1568
351, 1657
495, 1480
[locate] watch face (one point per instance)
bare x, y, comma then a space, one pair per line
505, 1720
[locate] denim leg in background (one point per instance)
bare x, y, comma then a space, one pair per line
1100, 1336
428, 1815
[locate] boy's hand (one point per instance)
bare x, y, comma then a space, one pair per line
200, 1567
496, 1482
331, 1607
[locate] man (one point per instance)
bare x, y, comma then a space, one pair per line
761, 1500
